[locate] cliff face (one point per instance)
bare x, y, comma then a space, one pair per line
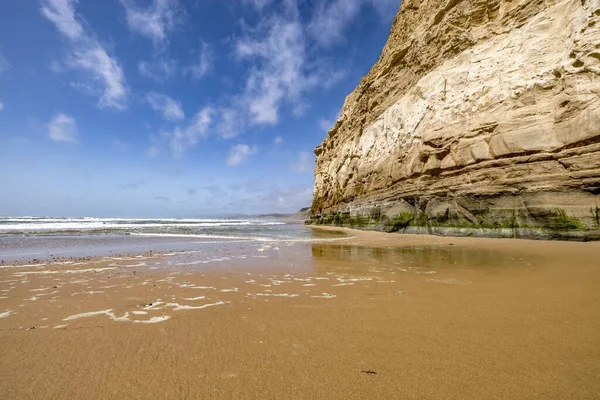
481, 116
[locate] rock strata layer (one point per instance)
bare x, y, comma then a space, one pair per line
480, 117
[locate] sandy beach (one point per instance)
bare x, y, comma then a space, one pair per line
372, 316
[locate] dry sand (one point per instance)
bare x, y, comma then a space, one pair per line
378, 316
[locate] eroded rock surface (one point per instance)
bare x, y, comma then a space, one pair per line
481, 116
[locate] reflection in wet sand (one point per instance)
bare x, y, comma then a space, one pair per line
440, 258
298, 320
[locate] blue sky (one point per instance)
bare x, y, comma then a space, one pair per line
156, 108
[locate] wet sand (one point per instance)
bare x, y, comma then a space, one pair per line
375, 316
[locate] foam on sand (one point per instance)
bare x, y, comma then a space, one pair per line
159, 305
109, 313
325, 296
153, 320
68, 271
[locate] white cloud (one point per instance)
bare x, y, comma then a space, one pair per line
106, 70
331, 19
278, 140
387, 9
281, 69
204, 63
184, 136
326, 124
239, 153
62, 14
258, 4
278, 74
63, 128
170, 108
104, 74
231, 122
154, 21
281, 72
304, 162
162, 68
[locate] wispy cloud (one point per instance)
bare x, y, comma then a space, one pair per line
4, 65
239, 153
154, 21
230, 121
331, 19
326, 124
184, 136
280, 69
204, 63
159, 69
162, 68
278, 140
168, 107
277, 52
258, 4
63, 128
387, 9
102, 74
62, 14
105, 69
304, 162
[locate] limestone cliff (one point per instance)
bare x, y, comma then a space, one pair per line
480, 117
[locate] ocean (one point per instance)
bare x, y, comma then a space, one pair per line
31, 239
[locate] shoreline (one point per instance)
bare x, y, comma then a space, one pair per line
531, 246
375, 316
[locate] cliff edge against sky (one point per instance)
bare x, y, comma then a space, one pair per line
480, 117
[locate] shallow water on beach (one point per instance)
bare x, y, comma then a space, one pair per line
54, 242
359, 315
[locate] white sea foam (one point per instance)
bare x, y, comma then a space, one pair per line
68, 271
240, 238
186, 307
325, 296
159, 305
195, 298
89, 314
83, 224
6, 313
40, 289
153, 320
125, 318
